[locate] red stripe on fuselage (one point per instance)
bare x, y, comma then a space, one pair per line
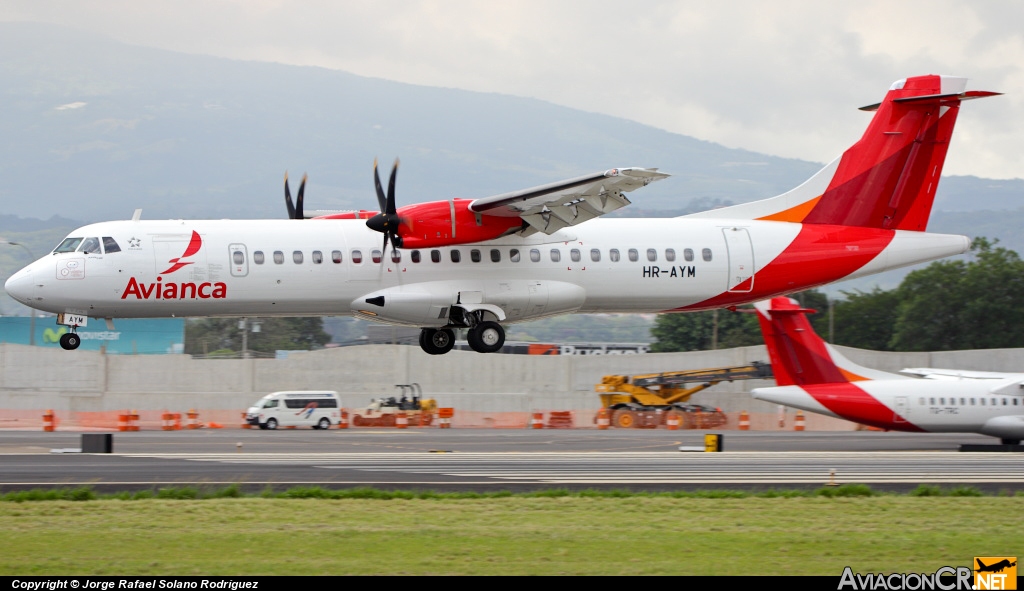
818, 255
854, 404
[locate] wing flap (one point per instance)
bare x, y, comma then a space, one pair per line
549, 208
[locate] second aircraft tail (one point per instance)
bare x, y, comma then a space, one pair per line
798, 355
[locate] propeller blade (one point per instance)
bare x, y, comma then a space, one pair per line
391, 189
387, 221
298, 198
288, 198
380, 191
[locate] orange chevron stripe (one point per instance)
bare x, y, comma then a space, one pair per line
793, 214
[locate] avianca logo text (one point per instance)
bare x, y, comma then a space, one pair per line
193, 247
174, 291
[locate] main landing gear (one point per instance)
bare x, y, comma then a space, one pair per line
485, 337
70, 341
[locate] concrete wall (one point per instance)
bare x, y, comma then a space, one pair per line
82, 381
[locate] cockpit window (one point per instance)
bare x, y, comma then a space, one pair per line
69, 245
110, 245
90, 245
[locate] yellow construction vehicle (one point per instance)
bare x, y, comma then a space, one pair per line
650, 400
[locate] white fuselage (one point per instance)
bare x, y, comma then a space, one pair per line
326, 267
989, 407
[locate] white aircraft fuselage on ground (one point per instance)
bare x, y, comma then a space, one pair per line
815, 377
525, 255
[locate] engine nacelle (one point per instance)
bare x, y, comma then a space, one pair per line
440, 303
446, 223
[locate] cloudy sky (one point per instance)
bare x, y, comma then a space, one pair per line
782, 77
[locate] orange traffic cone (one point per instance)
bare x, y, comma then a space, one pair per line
744, 422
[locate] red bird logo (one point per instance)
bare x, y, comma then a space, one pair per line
193, 247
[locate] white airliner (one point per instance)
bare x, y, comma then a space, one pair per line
519, 256
813, 376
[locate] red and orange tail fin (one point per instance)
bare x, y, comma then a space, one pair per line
798, 355
886, 180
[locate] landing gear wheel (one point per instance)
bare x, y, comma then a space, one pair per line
324, 424
437, 341
69, 341
271, 424
624, 419
486, 337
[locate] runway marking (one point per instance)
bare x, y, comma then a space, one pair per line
649, 467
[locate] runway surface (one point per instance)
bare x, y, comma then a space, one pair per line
493, 460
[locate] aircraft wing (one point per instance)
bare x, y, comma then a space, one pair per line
549, 208
958, 374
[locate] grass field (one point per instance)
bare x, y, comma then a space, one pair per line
556, 534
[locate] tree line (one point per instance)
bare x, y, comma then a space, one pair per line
977, 303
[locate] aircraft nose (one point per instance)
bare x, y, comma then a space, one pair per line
22, 286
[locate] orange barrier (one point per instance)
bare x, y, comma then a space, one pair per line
167, 421
343, 421
133, 420
122, 421
798, 424
603, 422
177, 421
672, 421
49, 422
537, 422
401, 420
193, 419
560, 419
213, 425
444, 417
744, 421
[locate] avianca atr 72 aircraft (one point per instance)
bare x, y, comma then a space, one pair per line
476, 264
813, 376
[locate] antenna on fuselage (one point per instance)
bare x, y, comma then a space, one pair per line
137, 215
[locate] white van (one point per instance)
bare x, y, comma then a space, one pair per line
317, 409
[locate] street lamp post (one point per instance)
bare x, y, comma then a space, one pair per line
32, 313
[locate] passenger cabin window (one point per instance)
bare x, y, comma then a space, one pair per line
357, 257
688, 255
69, 245
474, 255
634, 255
595, 255
435, 256
90, 246
110, 245
706, 253
456, 255
297, 257
613, 255
495, 255
535, 255
396, 255
415, 256
318, 257
278, 257
336, 256
574, 254
652, 255
377, 256
513, 255
556, 255
670, 254
257, 257
238, 257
